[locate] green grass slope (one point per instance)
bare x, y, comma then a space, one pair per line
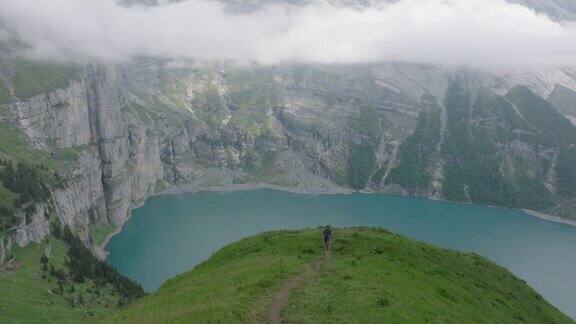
29, 294
33, 78
372, 276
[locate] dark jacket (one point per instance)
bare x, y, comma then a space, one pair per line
327, 234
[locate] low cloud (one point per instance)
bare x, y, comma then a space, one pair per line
447, 32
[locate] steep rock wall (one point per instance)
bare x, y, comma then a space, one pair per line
140, 128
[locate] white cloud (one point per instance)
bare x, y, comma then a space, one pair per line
449, 32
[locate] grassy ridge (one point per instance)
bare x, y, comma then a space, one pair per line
373, 276
235, 285
379, 277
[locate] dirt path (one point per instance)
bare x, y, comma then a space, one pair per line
283, 295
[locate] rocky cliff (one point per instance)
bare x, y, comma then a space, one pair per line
118, 134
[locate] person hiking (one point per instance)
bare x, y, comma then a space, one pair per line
327, 237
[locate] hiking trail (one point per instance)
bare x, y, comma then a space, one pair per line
283, 295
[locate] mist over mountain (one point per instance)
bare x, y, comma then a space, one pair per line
487, 34
555, 9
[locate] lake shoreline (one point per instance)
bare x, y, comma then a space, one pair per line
194, 188
199, 188
549, 218
316, 190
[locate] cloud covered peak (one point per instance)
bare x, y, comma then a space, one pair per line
447, 32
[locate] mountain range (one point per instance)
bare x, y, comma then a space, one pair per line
108, 136
81, 144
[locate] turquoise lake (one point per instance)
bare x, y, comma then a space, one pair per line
169, 235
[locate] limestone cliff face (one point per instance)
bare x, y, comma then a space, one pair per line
115, 164
134, 130
36, 230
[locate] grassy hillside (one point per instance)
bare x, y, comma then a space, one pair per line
371, 276
30, 293
33, 78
